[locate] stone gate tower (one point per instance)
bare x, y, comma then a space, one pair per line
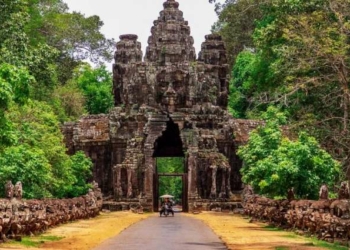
168, 105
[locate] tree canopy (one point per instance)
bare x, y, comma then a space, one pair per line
171, 184
44, 81
273, 163
295, 56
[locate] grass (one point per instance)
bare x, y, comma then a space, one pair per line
314, 241
271, 228
36, 241
326, 245
291, 236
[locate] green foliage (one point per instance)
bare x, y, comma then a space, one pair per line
71, 33
297, 59
14, 87
170, 165
6, 94
15, 83
40, 45
170, 184
236, 24
96, 85
76, 37
38, 151
82, 171
68, 102
28, 165
274, 163
241, 85
15, 49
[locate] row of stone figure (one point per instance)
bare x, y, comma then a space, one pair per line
343, 192
28, 217
327, 219
13, 191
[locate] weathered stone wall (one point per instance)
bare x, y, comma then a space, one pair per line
168, 105
27, 217
328, 220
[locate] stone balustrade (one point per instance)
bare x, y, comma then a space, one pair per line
27, 217
326, 219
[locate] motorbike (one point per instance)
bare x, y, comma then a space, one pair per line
166, 210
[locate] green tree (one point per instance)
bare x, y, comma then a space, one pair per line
37, 128
96, 85
30, 166
68, 102
170, 185
299, 62
273, 163
170, 165
14, 88
236, 24
82, 171
75, 36
15, 49
40, 45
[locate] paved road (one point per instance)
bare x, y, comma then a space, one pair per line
171, 233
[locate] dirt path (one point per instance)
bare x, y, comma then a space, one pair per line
171, 233
239, 234
236, 232
87, 234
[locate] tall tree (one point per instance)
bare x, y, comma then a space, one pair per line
74, 35
96, 86
15, 49
236, 24
300, 62
37, 155
273, 163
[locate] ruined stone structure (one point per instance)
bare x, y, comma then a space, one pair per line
27, 217
326, 219
168, 105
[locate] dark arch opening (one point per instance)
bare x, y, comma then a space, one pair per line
170, 143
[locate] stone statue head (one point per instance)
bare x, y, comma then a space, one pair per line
9, 188
18, 190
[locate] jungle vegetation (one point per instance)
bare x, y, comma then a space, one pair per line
171, 184
289, 61
291, 57
45, 81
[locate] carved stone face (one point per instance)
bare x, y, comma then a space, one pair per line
178, 83
161, 89
207, 143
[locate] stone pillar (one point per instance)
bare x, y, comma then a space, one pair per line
214, 170
149, 172
129, 177
223, 193
118, 191
192, 175
228, 183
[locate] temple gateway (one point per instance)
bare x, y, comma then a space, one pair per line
169, 104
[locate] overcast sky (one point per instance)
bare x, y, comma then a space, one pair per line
137, 16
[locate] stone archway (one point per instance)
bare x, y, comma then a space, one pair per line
170, 104
169, 144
